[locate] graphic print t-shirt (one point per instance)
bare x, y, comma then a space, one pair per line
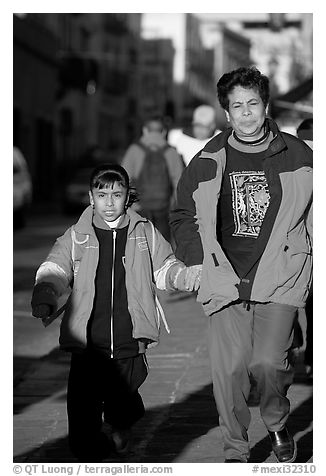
242, 206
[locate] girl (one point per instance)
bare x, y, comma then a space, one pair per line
112, 259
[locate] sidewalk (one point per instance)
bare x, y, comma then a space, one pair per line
181, 421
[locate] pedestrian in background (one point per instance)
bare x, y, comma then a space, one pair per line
203, 128
110, 258
305, 133
242, 225
154, 169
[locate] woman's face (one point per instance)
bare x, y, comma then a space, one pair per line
246, 113
109, 202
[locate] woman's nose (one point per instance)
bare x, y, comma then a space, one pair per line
246, 111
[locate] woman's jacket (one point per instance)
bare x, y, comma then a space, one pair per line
280, 267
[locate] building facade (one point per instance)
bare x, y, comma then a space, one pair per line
157, 56
34, 104
193, 73
76, 86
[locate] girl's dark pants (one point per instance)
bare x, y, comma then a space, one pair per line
101, 388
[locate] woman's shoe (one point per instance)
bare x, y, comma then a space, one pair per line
283, 445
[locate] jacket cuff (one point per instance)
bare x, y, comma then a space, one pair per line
44, 293
173, 275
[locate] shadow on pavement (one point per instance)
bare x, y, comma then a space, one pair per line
165, 431
160, 436
299, 420
24, 278
42, 378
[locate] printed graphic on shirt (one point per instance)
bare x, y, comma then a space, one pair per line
250, 200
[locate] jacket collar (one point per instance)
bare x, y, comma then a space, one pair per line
134, 219
84, 224
219, 142
100, 223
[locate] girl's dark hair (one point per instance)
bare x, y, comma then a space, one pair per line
249, 78
106, 175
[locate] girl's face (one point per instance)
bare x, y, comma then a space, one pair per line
109, 202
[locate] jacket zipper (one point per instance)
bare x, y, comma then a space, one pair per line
112, 291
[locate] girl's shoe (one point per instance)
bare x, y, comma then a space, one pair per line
121, 440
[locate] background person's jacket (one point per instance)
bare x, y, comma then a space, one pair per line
187, 145
280, 267
72, 263
134, 157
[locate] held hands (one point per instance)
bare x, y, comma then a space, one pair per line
188, 278
193, 277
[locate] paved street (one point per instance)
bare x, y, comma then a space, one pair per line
181, 422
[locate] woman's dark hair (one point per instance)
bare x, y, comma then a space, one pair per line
305, 129
106, 175
248, 78
306, 124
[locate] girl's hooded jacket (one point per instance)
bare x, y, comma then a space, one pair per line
72, 263
280, 266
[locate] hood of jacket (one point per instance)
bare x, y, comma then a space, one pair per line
84, 224
220, 141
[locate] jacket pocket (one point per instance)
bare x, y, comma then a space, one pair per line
294, 264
